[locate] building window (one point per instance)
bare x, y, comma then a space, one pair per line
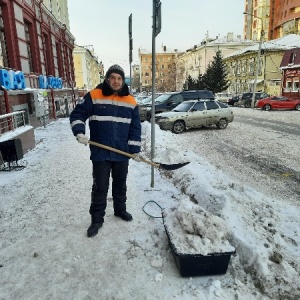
28, 45
288, 86
292, 58
162, 66
3, 50
251, 67
59, 60
47, 54
295, 86
145, 59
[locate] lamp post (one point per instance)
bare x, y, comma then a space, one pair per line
262, 33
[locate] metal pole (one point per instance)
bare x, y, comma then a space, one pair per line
153, 93
130, 81
262, 33
257, 67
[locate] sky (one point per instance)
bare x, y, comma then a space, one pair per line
45, 253
104, 24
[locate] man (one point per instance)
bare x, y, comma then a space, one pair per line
114, 121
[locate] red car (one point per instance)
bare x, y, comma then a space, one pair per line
278, 102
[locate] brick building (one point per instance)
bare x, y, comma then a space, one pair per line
36, 61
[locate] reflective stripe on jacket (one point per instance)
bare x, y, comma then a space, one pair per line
113, 121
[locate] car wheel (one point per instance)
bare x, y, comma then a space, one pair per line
222, 124
247, 104
267, 107
297, 107
178, 127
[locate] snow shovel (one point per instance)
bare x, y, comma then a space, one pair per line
154, 164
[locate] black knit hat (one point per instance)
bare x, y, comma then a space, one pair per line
115, 69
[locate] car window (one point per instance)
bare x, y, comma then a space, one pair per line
184, 106
222, 105
199, 106
177, 99
162, 98
212, 105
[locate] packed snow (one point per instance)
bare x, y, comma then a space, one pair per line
45, 253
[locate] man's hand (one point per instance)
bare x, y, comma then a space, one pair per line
81, 138
138, 157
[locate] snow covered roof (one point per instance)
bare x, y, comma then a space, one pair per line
287, 42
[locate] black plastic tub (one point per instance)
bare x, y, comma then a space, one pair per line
190, 265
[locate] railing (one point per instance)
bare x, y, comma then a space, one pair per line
11, 121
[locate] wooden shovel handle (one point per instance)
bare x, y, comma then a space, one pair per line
123, 153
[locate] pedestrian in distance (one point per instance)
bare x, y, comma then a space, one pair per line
113, 121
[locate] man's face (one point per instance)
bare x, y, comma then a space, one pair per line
115, 81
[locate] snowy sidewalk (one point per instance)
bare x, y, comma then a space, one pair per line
45, 253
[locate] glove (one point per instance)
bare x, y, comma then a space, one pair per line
138, 157
81, 138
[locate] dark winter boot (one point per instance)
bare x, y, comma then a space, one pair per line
93, 229
124, 215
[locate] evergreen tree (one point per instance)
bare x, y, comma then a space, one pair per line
189, 84
200, 83
215, 77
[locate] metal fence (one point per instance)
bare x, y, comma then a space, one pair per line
11, 121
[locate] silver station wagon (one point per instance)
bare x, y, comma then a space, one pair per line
194, 114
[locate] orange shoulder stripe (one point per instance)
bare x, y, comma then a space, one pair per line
97, 94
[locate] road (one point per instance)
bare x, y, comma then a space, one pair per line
260, 148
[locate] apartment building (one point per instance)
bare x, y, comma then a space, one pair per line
59, 9
165, 70
195, 61
241, 66
256, 18
284, 18
276, 18
89, 72
136, 78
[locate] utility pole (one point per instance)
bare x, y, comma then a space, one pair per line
156, 28
262, 33
257, 68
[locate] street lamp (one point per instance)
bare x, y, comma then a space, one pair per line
262, 33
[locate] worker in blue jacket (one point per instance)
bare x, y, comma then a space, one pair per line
114, 121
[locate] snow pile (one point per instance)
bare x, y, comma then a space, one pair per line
194, 230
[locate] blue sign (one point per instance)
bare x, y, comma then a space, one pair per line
12, 80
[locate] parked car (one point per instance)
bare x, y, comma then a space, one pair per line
223, 97
139, 99
168, 101
278, 102
234, 100
195, 114
246, 98
147, 100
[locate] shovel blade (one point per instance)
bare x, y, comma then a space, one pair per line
172, 167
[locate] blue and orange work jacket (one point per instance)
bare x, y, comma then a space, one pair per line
113, 121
